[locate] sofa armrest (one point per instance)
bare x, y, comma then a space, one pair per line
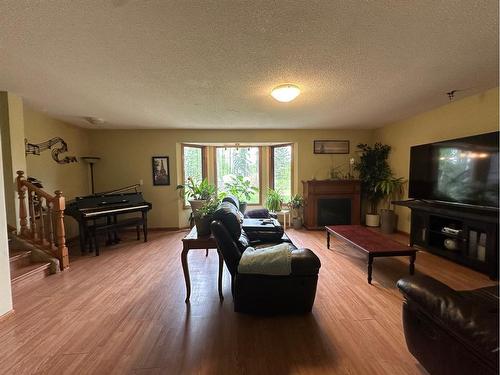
433, 297
305, 262
462, 314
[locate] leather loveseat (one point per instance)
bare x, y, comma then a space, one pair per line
449, 331
264, 294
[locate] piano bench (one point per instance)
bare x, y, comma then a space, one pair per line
94, 230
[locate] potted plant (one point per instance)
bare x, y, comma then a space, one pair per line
203, 216
391, 189
274, 200
295, 204
242, 188
373, 168
197, 194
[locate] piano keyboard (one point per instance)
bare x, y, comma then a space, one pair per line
113, 211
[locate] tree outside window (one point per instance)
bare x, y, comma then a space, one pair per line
193, 159
238, 161
281, 179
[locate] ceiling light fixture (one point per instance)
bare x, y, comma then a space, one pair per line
285, 93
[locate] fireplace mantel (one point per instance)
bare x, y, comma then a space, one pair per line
315, 190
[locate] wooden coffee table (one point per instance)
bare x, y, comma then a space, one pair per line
191, 242
374, 244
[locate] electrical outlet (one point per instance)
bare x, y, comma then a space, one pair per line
141, 182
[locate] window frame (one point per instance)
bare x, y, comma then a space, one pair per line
271, 165
204, 173
259, 148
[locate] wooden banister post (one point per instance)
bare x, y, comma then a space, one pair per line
62, 250
21, 190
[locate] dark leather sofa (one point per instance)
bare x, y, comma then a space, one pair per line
264, 294
449, 331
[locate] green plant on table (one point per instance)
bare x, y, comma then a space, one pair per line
208, 208
274, 200
197, 191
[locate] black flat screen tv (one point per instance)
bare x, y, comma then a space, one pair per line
458, 171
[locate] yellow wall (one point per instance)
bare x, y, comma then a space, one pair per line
472, 115
71, 178
12, 129
126, 159
126, 154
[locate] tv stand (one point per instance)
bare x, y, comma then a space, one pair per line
465, 235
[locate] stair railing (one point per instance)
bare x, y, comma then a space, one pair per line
41, 218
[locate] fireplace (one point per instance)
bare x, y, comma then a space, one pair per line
331, 202
333, 211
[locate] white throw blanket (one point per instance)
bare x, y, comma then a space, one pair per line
274, 260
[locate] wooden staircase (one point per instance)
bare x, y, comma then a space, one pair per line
23, 270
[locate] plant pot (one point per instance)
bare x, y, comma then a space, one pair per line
203, 225
243, 207
196, 204
297, 222
372, 220
387, 221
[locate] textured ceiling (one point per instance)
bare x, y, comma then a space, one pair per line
212, 64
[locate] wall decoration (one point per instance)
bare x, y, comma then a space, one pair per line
35, 149
161, 172
331, 147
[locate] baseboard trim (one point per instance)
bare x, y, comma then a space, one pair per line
7, 315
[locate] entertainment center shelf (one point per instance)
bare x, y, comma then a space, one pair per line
468, 236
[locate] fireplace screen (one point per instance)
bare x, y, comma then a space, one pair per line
334, 211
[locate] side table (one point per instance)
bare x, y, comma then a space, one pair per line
192, 242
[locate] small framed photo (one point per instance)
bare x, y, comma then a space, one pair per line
161, 171
331, 147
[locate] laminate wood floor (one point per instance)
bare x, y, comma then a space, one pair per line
124, 313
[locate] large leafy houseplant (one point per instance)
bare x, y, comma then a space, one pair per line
391, 189
274, 200
203, 216
242, 188
197, 193
295, 204
373, 167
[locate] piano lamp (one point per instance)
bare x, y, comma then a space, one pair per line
91, 160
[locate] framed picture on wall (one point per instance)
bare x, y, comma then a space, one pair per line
161, 171
331, 147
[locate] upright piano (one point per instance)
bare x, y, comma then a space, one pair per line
103, 209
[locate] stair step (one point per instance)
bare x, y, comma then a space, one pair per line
19, 259
29, 273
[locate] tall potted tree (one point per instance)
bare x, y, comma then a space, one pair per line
391, 189
373, 168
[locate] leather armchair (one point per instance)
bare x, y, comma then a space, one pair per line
449, 331
264, 294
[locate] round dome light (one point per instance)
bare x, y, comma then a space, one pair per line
285, 93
